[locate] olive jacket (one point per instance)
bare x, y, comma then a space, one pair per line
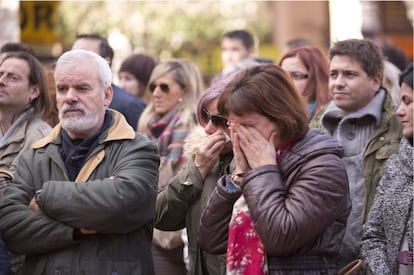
113, 194
180, 206
382, 145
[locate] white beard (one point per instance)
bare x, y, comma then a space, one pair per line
79, 124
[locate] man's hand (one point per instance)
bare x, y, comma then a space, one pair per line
34, 206
85, 231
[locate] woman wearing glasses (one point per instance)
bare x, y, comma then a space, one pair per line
284, 208
181, 203
175, 87
308, 67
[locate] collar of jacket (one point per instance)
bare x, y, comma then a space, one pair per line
389, 129
120, 129
334, 115
17, 130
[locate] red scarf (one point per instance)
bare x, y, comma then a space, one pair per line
245, 250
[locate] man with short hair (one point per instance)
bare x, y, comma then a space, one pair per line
130, 106
237, 51
362, 117
83, 198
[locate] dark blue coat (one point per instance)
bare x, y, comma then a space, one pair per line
4, 258
130, 106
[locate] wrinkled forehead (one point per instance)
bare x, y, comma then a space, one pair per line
77, 67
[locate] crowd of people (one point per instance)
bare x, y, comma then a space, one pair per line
302, 166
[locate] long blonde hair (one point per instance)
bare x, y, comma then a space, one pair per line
188, 76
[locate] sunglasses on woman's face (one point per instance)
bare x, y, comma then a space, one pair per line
165, 88
217, 120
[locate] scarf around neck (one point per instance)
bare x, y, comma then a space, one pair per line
170, 138
245, 250
74, 152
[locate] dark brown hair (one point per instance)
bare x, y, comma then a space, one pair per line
41, 104
267, 90
364, 51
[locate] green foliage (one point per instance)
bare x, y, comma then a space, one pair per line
166, 28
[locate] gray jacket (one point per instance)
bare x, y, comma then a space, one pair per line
26, 130
113, 194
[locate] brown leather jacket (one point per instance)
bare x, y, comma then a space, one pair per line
299, 207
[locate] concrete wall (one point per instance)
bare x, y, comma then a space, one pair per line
301, 19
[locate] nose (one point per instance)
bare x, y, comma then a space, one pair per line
210, 128
400, 111
2, 79
157, 92
71, 95
337, 82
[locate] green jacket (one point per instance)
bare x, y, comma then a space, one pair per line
113, 194
181, 204
382, 145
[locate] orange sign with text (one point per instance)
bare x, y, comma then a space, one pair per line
38, 22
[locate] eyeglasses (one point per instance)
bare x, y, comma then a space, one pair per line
217, 120
165, 88
298, 75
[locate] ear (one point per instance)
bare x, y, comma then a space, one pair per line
252, 52
34, 92
108, 60
108, 96
376, 82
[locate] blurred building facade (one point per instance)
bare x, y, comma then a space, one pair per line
320, 22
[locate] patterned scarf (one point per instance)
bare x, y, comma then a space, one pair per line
245, 250
170, 139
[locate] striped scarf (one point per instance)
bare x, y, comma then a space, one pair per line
169, 137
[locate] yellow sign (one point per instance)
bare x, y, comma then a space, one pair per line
38, 21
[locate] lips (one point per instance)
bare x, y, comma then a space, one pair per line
340, 95
72, 112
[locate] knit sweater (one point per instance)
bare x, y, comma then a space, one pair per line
391, 216
354, 131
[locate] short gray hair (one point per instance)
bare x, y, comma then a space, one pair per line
73, 56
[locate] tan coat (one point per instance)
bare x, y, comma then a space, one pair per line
27, 132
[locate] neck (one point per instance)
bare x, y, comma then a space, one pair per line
8, 116
6, 120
